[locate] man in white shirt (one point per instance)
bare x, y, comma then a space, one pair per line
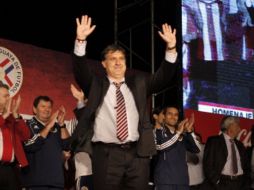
195, 165
115, 126
225, 160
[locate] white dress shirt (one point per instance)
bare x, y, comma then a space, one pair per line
227, 170
105, 121
195, 171
83, 164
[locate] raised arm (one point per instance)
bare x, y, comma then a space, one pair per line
163, 76
20, 126
81, 101
84, 28
15, 107
39, 137
165, 142
78, 95
169, 37
81, 70
60, 118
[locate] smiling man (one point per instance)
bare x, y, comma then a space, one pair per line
44, 149
115, 127
173, 139
225, 162
13, 132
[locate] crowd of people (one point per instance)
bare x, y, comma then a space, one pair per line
114, 141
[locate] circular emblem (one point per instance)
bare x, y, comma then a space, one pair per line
10, 71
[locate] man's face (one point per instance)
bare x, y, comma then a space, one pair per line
115, 64
234, 129
171, 116
4, 97
43, 111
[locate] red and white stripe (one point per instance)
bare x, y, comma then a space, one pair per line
212, 31
121, 115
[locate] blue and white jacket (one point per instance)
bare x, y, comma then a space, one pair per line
44, 156
171, 167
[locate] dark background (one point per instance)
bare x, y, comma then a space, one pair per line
51, 24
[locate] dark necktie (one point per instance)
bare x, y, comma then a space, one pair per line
121, 115
234, 159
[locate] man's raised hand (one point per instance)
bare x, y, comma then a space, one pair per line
15, 107
84, 28
78, 94
168, 36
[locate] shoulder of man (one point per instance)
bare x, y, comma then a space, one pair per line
34, 124
214, 139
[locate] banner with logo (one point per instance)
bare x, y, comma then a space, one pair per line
32, 71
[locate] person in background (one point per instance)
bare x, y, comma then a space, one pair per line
45, 147
250, 153
158, 122
13, 131
172, 141
225, 160
195, 165
115, 127
158, 117
68, 168
82, 160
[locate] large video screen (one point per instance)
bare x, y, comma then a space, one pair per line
218, 56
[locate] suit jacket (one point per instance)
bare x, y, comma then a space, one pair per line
215, 157
19, 133
78, 112
141, 85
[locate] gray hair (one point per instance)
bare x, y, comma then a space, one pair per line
227, 121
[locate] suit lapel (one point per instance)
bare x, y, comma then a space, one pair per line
224, 147
105, 86
240, 150
99, 89
131, 85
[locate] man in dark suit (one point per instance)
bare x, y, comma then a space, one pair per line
225, 161
115, 126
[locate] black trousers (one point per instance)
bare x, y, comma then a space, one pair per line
43, 188
195, 187
117, 167
8, 177
84, 181
228, 184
